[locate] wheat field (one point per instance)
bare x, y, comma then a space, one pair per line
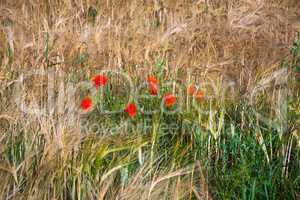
156, 99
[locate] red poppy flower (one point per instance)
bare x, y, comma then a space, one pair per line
169, 100
191, 90
199, 95
99, 80
153, 85
131, 110
153, 89
152, 79
86, 103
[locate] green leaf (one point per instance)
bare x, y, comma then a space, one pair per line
296, 46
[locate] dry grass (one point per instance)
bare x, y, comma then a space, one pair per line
228, 35
231, 41
239, 41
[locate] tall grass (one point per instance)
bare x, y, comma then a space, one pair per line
244, 146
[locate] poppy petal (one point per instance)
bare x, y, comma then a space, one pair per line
169, 100
99, 80
86, 103
131, 110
